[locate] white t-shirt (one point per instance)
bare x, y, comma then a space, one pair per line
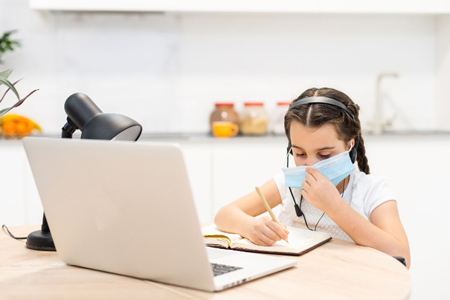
363, 193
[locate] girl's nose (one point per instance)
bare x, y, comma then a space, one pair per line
310, 162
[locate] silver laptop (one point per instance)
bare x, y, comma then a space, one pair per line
127, 208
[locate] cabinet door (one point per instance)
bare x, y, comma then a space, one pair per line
12, 185
198, 163
239, 167
33, 206
19, 200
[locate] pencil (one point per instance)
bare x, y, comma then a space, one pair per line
269, 210
266, 204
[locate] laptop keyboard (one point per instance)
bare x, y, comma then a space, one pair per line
219, 269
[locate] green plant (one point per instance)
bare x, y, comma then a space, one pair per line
10, 87
6, 44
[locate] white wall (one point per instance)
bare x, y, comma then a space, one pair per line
443, 72
167, 70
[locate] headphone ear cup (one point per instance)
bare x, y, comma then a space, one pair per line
354, 150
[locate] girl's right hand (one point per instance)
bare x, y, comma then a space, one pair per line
265, 232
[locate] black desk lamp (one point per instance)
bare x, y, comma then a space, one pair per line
83, 114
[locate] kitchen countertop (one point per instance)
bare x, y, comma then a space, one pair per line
208, 138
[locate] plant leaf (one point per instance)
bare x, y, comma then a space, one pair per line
6, 73
9, 85
4, 111
7, 90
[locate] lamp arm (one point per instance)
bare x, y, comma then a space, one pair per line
68, 129
44, 226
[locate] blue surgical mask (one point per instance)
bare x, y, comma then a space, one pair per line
335, 168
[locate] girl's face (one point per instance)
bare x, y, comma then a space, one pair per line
311, 145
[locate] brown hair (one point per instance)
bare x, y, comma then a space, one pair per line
318, 114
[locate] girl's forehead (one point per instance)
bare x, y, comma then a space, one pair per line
313, 137
327, 131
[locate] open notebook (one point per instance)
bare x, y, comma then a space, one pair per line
300, 241
117, 206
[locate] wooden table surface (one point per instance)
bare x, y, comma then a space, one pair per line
336, 270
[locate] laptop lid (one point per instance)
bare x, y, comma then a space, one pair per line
127, 208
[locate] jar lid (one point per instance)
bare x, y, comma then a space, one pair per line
224, 104
253, 104
283, 103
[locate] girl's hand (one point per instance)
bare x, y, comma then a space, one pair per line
320, 191
265, 232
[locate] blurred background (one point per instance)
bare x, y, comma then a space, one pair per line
166, 65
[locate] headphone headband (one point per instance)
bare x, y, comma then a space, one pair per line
323, 100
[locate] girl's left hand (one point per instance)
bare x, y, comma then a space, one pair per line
320, 191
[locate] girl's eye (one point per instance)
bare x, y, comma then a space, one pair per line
322, 156
299, 154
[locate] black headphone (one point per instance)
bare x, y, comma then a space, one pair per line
329, 101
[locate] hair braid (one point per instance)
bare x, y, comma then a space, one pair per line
361, 158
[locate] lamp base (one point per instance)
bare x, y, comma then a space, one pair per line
39, 240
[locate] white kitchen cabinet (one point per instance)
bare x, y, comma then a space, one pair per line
13, 202
251, 6
20, 202
198, 163
220, 171
237, 168
33, 209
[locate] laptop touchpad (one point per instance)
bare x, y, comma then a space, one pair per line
214, 253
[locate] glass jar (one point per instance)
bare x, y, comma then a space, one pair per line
254, 119
223, 112
277, 118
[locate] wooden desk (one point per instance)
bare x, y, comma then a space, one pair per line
336, 270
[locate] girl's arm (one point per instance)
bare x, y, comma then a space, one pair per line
240, 217
384, 232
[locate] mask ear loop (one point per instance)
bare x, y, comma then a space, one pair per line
352, 144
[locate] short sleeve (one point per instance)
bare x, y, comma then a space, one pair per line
377, 193
279, 181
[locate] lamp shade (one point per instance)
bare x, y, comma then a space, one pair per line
94, 124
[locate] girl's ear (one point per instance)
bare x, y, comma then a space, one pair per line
351, 144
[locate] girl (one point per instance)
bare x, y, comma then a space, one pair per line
324, 192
